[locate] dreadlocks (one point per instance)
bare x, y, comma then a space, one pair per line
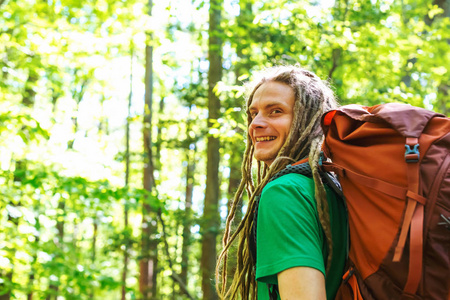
313, 97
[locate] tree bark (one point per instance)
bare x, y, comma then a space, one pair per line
443, 95
148, 262
159, 139
236, 150
211, 217
7, 295
29, 94
187, 220
28, 100
32, 276
127, 179
53, 289
243, 66
77, 94
94, 250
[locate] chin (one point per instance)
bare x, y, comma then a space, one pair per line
265, 158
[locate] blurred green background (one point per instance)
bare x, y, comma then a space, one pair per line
122, 125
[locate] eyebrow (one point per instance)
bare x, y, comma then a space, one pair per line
269, 105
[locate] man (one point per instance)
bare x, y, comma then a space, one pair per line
300, 223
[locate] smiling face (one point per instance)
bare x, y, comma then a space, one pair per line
272, 111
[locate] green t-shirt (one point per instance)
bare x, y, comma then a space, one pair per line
289, 233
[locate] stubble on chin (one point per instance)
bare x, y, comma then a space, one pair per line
264, 157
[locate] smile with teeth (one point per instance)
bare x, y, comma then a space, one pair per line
265, 138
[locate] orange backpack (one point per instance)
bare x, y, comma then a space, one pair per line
392, 161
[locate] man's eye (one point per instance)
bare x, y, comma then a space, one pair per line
253, 114
276, 111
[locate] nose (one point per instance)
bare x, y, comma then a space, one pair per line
258, 121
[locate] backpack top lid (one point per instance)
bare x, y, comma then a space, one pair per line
407, 120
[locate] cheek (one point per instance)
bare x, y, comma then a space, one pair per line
287, 127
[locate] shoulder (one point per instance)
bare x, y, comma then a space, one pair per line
290, 197
290, 187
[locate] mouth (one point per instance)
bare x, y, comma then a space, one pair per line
265, 138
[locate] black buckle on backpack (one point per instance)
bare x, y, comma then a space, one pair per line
412, 155
349, 274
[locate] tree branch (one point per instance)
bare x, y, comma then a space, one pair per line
336, 54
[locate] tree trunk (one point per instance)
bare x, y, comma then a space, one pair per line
5, 289
7, 295
76, 228
29, 94
127, 179
159, 140
53, 289
236, 150
444, 99
28, 100
187, 220
77, 94
94, 247
148, 262
31, 281
235, 178
243, 66
443, 94
94, 250
32, 277
210, 211
125, 256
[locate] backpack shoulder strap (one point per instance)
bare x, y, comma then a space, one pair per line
303, 167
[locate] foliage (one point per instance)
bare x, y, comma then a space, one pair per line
68, 69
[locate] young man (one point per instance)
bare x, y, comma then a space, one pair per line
300, 223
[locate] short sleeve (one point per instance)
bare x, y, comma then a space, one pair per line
289, 233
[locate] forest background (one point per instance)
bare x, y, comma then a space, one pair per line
122, 125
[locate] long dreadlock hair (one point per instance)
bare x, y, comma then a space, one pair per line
313, 97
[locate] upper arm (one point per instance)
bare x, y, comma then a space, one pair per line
288, 231
301, 283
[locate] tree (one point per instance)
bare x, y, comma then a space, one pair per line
210, 209
148, 261
127, 179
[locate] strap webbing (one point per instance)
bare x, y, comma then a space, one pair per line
376, 184
409, 212
416, 231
